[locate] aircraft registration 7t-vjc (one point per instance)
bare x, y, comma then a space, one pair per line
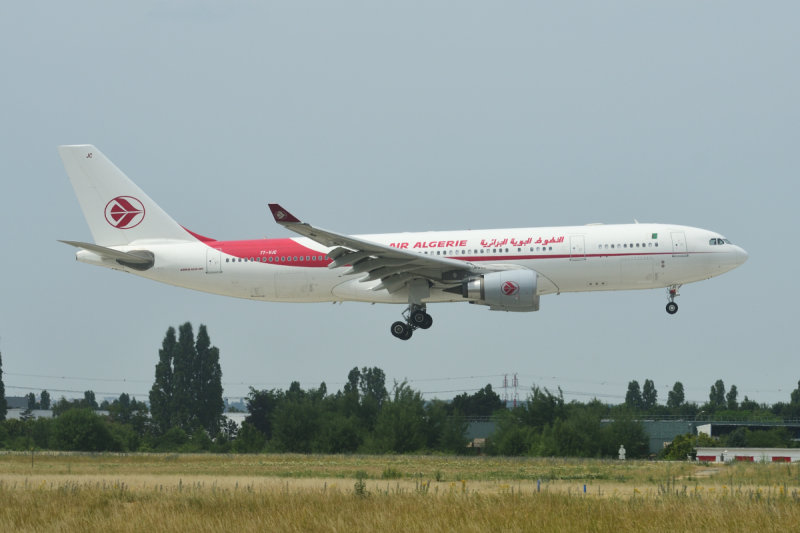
503, 269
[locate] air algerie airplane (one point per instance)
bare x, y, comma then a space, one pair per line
502, 269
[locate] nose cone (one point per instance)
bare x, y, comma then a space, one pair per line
732, 258
740, 255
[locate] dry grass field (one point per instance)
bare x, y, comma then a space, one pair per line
170, 492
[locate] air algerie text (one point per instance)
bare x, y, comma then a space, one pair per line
429, 244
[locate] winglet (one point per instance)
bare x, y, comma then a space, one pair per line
282, 216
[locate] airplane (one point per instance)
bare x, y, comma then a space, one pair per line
501, 269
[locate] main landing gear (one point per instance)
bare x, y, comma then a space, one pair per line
415, 317
672, 291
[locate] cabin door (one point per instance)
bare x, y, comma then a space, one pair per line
577, 252
679, 244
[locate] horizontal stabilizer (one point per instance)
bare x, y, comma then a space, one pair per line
139, 260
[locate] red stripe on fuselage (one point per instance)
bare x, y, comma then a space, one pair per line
286, 252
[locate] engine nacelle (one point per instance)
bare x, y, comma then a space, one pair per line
508, 290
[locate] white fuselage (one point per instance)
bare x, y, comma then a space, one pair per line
567, 259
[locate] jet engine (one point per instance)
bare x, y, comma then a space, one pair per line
508, 290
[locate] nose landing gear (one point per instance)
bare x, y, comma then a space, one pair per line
415, 317
672, 291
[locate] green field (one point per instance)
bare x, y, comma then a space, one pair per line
171, 492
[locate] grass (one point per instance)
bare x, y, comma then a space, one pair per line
109, 492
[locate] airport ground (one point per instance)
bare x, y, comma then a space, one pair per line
205, 492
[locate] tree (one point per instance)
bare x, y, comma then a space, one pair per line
126, 410
351, 394
183, 364
3, 403
730, 398
399, 427
629, 433
187, 391
748, 404
542, 407
83, 430
483, 403
445, 431
676, 397
261, 404
89, 400
207, 383
249, 439
296, 422
510, 437
633, 398
44, 400
795, 397
649, 394
161, 394
372, 384
683, 446
31, 397
716, 398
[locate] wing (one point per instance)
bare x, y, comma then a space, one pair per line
392, 266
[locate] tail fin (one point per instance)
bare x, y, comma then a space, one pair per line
117, 210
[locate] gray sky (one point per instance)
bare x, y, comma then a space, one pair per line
364, 117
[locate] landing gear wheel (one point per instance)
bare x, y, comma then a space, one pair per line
401, 330
672, 292
418, 318
428, 322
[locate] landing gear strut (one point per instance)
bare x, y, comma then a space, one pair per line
672, 291
415, 317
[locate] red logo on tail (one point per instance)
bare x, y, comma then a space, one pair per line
510, 288
124, 212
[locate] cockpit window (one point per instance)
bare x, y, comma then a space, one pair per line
715, 241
